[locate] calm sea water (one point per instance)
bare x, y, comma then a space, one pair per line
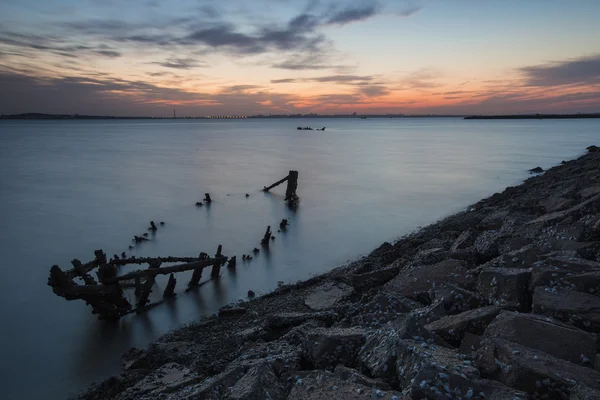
68, 188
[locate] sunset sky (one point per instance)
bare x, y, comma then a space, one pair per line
148, 57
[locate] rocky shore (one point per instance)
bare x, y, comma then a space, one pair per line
501, 301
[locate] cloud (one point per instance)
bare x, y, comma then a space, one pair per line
354, 13
410, 11
286, 80
422, 79
579, 71
179, 63
373, 90
108, 53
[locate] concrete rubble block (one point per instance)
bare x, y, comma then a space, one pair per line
455, 299
493, 221
327, 295
487, 245
506, 287
453, 327
587, 283
379, 309
582, 392
166, 379
535, 372
279, 355
465, 240
375, 278
290, 319
470, 344
416, 283
554, 204
325, 385
258, 383
577, 308
433, 372
544, 334
327, 347
211, 388
379, 354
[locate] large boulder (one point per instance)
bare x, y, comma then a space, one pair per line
378, 277
507, 287
379, 309
453, 327
327, 295
325, 385
545, 334
417, 283
380, 352
166, 379
328, 347
578, 308
532, 371
433, 372
258, 383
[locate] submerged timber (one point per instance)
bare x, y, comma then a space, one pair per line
501, 301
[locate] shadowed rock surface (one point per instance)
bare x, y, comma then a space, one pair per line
497, 302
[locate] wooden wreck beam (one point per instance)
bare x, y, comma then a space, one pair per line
170, 289
168, 270
147, 260
147, 286
82, 271
279, 182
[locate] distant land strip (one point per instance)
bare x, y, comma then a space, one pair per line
535, 116
42, 116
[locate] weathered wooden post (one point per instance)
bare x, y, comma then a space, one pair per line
147, 286
207, 198
266, 237
152, 226
216, 269
290, 193
170, 289
231, 263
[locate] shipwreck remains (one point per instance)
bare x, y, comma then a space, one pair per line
106, 296
290, 192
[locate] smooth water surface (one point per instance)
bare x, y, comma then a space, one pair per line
70, 187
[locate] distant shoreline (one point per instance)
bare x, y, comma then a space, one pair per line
535, 116
41, 116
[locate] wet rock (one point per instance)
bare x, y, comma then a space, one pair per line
259, 382
251, 293
582, 392
328, 347
379, 309
327, 295
470, 344
487, 245
544, 334
416, 283
556, 204
464, 240
324, 385
506, 287
587, 283
375, 278
379, 354
287, 320
135, 359
454, 299
593, 149
532, 371
536, 170
493, 221
211, 388
231, 311
168, 378
578, 308
452, 328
